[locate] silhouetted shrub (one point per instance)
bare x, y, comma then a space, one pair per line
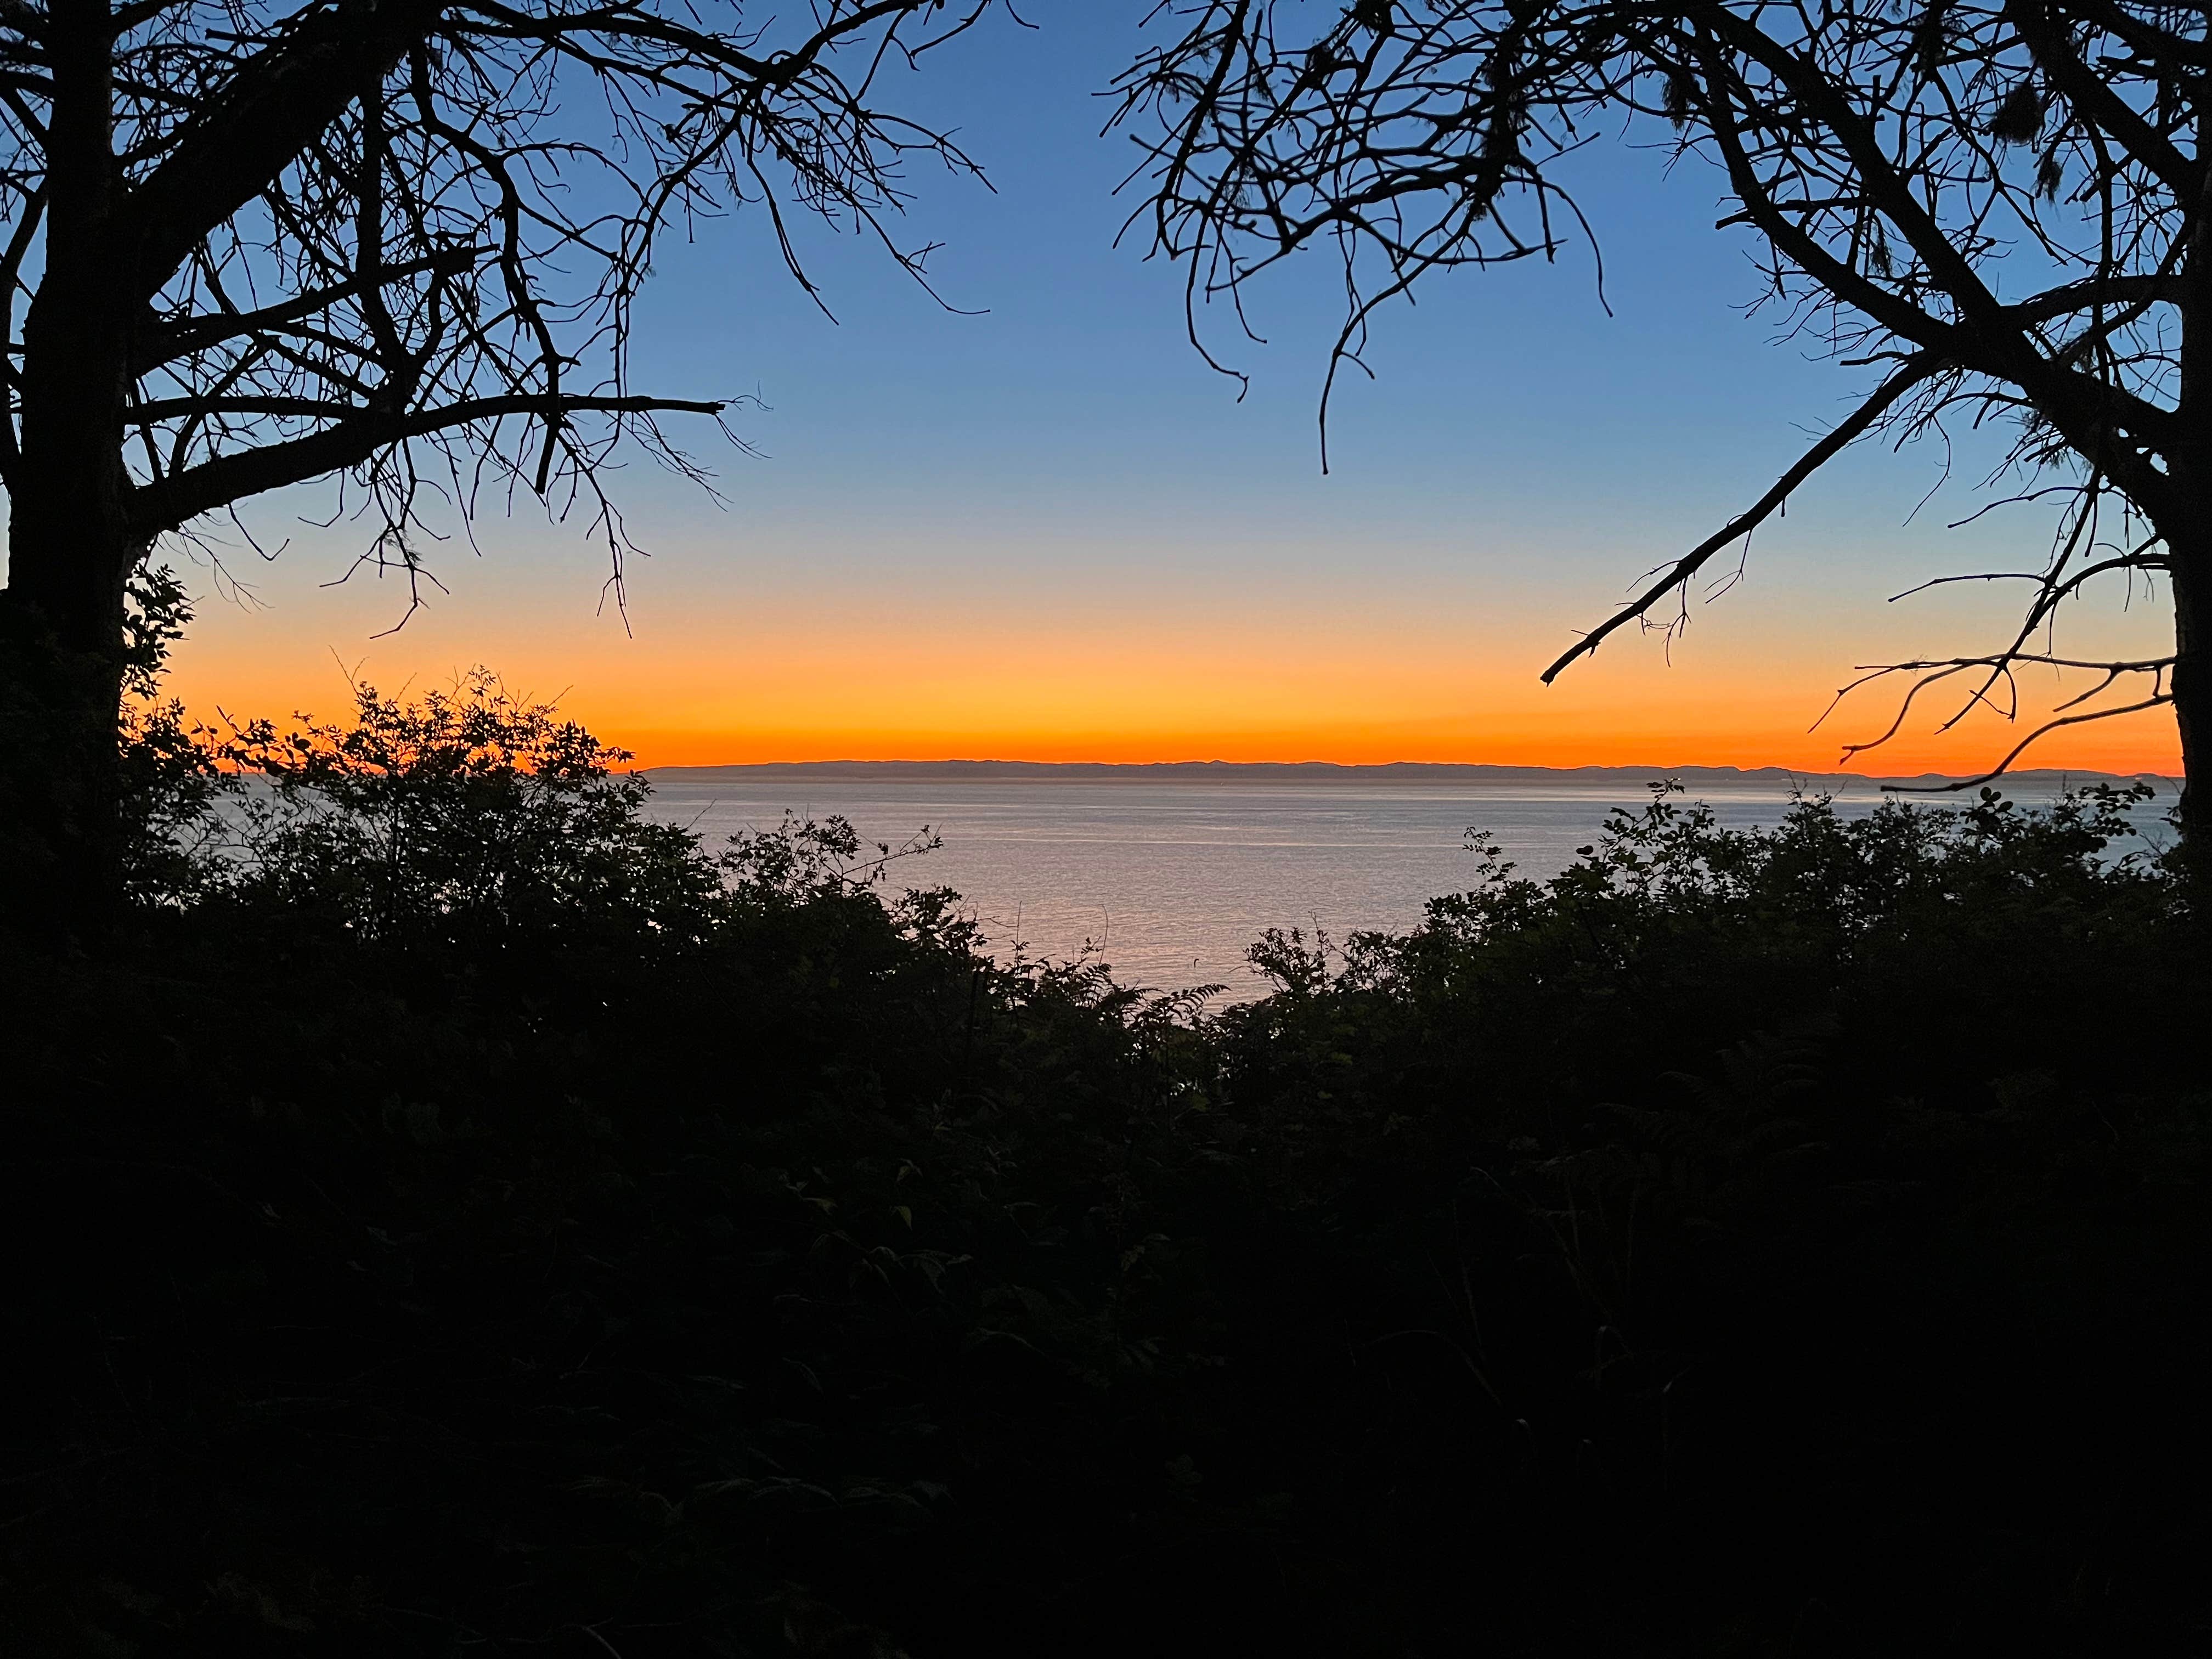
463, 1212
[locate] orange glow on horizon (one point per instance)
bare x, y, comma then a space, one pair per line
1319, 674
2135, 745
676, 715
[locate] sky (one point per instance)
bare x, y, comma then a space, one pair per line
1049, 531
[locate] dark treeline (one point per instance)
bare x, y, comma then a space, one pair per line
457, 1215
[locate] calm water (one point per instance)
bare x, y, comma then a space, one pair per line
1170, 883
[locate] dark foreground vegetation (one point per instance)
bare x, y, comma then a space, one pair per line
458, 1216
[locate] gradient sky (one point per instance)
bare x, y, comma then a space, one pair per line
1050, 533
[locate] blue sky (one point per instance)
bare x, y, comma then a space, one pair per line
1061, 495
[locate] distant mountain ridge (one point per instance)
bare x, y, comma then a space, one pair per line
1330, 772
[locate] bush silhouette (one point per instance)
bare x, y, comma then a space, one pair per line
502, 1219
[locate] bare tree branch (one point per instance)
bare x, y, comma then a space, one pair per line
1890, 160
1853, 426
183, 496
394, 244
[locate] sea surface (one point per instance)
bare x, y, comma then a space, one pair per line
1171, 883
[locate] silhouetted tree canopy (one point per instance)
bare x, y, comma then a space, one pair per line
1996, 209
397, 243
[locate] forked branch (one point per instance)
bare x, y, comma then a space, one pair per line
1915, 370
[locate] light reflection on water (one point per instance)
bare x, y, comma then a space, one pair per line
1172, 881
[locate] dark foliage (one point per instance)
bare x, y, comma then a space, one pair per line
498, 1224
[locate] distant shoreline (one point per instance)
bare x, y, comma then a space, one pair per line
1329, 772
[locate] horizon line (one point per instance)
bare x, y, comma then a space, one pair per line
953, 761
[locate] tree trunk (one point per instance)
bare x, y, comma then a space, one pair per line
2190, 581
70, 544
2188, 541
